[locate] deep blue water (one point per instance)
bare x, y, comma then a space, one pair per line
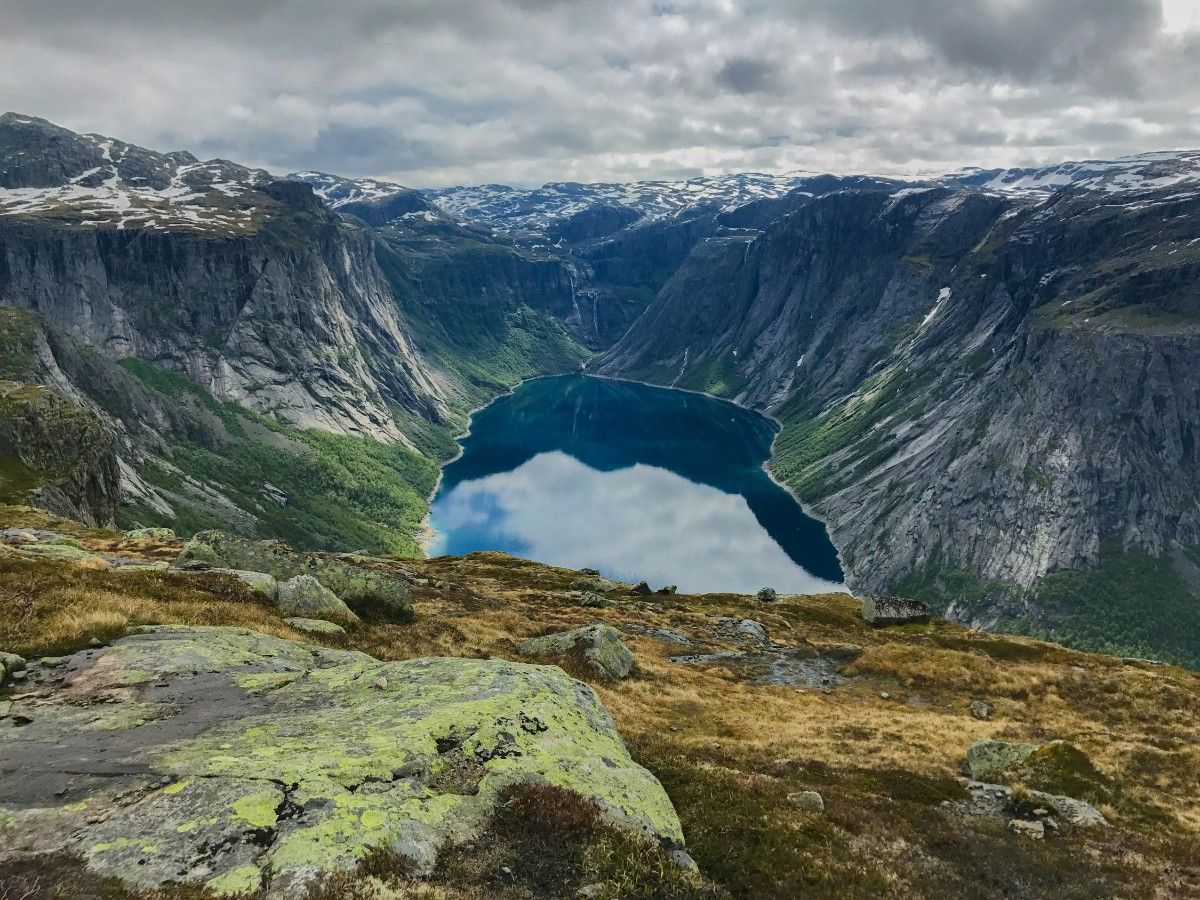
642, 483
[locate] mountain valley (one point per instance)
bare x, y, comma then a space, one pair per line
987, 381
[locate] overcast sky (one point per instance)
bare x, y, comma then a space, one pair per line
527, 91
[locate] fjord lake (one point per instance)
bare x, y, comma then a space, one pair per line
642, 483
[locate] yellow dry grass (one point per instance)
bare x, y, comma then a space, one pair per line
729, 750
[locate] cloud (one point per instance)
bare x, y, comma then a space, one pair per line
524, 91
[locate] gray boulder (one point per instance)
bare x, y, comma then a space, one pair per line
359, 587
768, 595
304, 596
808, 800
598, 647
314, 626
10, 664
981, 709
990, 760
595, 583
883, 611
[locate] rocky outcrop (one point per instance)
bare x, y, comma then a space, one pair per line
362, 589
241, 761
1057, 766
598, 648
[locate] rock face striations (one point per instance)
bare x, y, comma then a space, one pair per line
980, 390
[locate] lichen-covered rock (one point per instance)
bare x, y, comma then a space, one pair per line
596, 583
10, 664
767, 595
598, 647
315, 626
990, 760
151, 534
1057, 767
305, 596
362, 589
882, 611
242, 761
807, 800
257, 582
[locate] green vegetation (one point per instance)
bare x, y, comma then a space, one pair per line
809, 437
455, 289
338, 491
18, 341
1132, 604
716, 375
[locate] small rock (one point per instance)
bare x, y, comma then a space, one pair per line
743, 628
980, 709
641, 589
381, 683
668, 590
314, 626
1034, 830
10, 664
53, 662
95, 642
683, 859
883, 611
768, 595
592, 600
5, 707
807, 800
589, 571
305, 597
1041, 812
590, 891
885, 695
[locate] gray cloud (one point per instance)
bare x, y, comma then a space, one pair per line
525, 91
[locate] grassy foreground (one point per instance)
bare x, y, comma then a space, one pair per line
883, 748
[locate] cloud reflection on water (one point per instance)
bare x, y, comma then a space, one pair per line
638, 522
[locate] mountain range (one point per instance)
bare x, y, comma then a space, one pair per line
987, 380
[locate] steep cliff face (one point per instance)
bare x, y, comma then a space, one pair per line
241, 342
978, 391
486, 312
292, 320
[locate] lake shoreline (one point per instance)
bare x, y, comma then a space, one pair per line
613, 433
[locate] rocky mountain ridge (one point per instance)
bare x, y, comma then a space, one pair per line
980, 391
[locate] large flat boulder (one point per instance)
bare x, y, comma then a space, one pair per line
364, 590
241, 761
883, 611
